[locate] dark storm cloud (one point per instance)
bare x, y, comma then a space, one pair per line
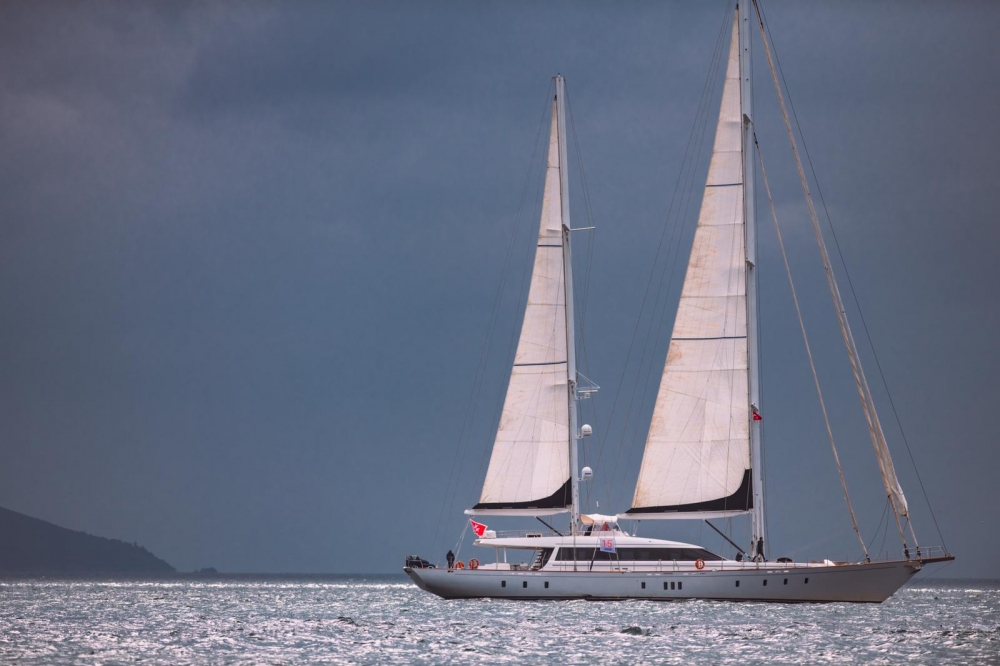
250, 253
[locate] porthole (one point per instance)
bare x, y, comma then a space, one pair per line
737, 583
680, 585
503, 583
786, 582
671, 585
524, 584
765, 582
643, 585
546, 585
665, 585
807, 581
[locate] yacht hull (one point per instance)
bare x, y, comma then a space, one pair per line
864, 583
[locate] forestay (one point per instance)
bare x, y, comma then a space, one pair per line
697, 457
529, 471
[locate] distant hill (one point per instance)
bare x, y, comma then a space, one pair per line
32, 546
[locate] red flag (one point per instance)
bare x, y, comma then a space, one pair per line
478, 528
757, 416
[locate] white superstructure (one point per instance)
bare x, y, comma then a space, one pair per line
574, 567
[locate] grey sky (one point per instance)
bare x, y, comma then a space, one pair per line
250, 253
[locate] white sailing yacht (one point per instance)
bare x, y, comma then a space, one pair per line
703, 452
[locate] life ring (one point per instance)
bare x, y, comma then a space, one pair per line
699, 564
460, 564
473, 563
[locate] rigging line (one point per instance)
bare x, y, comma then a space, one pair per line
585, 297
528, 268
687, 196
493, 325
805, 339
669, 269
511, 347
760, 349
670, 264
885, 531
585, 189
723, 535
643, 366
889, 479
645, 369
545, 112
878, 528
760, 365
484, 353
461, 540
458, 459
854, 295
682, 178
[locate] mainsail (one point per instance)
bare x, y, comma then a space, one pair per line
529, 470
697, 457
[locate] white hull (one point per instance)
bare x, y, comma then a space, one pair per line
871, 583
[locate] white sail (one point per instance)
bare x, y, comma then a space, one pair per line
697, 457
529, 470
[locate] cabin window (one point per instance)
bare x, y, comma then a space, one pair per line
581, 554
672, 585
546, 585
737, 583
643, 585
524, 584
503, 583
636, 555
680, 585
807, 581
786, 582
665, 585
765, 582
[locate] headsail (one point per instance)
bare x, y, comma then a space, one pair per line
697, 457
529, 470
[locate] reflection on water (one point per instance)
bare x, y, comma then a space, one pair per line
379, 619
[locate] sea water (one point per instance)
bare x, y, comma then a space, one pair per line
385, 619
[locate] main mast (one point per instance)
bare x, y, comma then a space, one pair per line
570, 321
758, 528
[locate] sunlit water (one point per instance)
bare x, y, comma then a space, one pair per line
383, 619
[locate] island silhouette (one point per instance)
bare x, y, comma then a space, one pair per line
29, 546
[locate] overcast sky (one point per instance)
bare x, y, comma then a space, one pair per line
250, 253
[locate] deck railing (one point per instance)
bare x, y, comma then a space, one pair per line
528, 534
924, 552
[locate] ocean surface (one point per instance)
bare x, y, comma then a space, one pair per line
384, 619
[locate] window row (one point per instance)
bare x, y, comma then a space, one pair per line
524, 584
636, 555
785, 582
